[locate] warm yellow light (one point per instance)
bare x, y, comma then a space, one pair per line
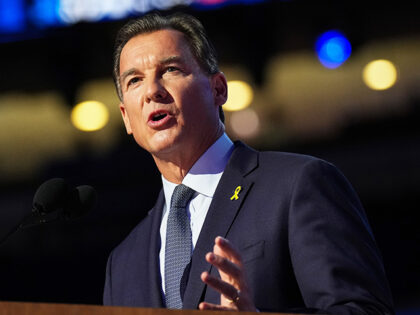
89, 116
240, 96
245, 123
380, 74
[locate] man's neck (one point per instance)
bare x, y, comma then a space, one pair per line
175, 166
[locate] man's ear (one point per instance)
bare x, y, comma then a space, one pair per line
125, 118
220, 90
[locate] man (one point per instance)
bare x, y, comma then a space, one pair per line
254, 230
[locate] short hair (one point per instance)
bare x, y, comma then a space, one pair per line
193, 31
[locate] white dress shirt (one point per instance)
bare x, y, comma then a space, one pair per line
203, 177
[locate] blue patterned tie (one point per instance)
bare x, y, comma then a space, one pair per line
178, 245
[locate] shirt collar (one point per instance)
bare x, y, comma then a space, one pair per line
168, 190
205, 174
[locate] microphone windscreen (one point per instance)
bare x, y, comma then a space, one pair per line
81, 200
50, 196
87, 195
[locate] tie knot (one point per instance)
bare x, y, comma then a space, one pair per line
182, 194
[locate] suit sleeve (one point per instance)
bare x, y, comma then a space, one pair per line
336, 262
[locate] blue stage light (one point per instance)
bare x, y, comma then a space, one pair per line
215, 4
333, 48
12, 16
44, 13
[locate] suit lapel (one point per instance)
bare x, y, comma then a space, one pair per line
155, 277
221, 215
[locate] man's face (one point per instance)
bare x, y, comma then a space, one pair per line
169, 103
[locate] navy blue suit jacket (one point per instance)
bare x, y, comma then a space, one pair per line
303, 235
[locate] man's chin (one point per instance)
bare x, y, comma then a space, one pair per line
162, 148
159, 142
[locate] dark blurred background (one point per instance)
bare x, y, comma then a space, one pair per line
59, 53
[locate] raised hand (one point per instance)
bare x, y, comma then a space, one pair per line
233, 285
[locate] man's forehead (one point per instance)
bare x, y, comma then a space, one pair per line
157, 47
167, 38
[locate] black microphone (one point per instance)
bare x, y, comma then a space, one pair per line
49, 197
79, 201
56, 200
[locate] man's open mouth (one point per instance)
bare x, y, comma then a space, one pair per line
159, 116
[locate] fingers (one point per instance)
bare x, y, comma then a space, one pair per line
224, 265
229, 292
232, 284
214, 307
225, 249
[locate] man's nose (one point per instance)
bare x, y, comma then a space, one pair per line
155, 91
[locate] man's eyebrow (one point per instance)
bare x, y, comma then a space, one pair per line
127, 73
163, 61
171, 59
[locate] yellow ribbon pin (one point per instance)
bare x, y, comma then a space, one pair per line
235, 195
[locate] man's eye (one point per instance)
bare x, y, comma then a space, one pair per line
172, 69
133, 81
